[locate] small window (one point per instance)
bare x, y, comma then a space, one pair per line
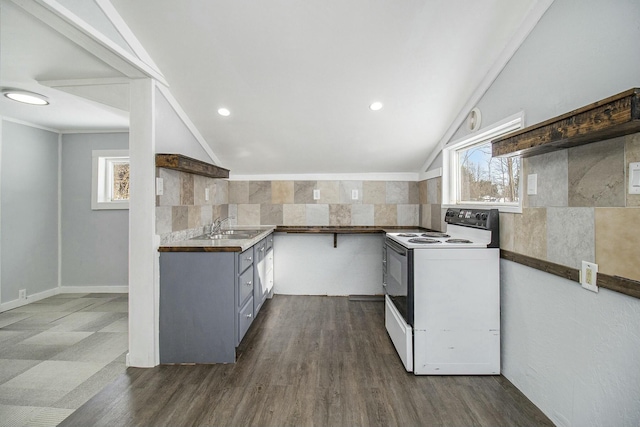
110, 183
473, 178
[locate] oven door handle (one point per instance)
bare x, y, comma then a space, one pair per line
397, 248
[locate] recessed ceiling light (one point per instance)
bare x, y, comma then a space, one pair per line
224, 112
375, 106
25, 97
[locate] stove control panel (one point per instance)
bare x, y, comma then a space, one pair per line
477, 218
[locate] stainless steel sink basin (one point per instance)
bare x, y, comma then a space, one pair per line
229, 235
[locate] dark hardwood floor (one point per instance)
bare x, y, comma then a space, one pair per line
308, 361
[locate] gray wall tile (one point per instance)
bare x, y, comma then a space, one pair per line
552, 171
596, 174
570, 236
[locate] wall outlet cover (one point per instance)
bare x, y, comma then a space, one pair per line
354, 194
532, 184
589, 276
634, 178
22, 294
316, 194
206, 194
159, 187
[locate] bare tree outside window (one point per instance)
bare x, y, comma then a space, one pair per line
120, 181
487, 179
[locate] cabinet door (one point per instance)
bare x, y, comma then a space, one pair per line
259, 275
245, 286
269, 274
245, 259
245, 318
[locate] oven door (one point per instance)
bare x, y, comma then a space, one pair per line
399, 278
398, 312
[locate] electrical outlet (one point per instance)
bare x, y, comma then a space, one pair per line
22, 294
206, 194
316, 194
532, 184
354, 194
589, 276
159, 187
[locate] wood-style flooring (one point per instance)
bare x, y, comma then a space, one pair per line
308, 360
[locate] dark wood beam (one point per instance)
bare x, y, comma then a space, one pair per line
190, 165
615, 116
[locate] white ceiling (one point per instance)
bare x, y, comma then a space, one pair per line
297, 76
31, 52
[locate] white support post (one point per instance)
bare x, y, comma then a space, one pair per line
143, 244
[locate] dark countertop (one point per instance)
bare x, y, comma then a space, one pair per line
231, 245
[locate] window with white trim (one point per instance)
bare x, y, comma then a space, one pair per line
110, 182
472, 178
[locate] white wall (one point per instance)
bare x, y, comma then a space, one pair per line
573, 353
95, 244
29, 210
172, 135
308, 264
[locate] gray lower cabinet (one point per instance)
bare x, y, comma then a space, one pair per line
207, 303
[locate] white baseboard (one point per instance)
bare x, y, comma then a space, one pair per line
30, 298
64, 290
94, 289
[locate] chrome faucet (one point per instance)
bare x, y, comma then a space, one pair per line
216, 226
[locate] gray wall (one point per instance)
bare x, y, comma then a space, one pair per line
572, 352
95, 244
29, 210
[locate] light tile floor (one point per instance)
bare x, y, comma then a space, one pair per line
57, 353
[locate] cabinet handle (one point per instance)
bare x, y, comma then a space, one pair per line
249, 283
262, 249
249, 258
249, 316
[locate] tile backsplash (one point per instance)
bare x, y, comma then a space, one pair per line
292, 203
582, 210
183, 212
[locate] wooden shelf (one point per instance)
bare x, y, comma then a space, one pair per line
187, 164
609, 118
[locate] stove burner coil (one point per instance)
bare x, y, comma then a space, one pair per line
423, 240
434, 234
407, 235
459, 241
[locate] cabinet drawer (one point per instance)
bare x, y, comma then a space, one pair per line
245, 286
245, 259
245, 317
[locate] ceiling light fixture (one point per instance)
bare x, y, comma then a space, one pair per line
224, 112
375, 106
25, 97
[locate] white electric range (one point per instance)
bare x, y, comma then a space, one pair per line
443, 295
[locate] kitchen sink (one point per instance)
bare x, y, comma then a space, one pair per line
229, 235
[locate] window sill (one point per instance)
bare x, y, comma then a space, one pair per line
97, 206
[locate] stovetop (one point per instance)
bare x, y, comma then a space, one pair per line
466, 228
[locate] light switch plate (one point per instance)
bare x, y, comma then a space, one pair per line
316, 194
354, 194
532, 184
589, 276
159, 187
634, 178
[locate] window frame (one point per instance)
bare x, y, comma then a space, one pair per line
102, 182
450, 167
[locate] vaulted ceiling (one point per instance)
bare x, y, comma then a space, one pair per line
299, 76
